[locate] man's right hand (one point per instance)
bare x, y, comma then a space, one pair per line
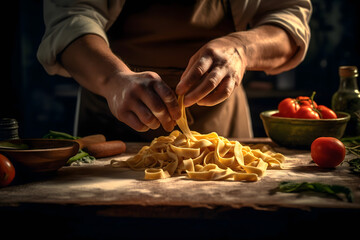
142, 100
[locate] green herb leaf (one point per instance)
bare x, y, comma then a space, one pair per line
355, 165
81, 156
355, 139
59, 135
331, 190
352, 145
10, 145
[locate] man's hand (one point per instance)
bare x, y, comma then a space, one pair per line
218, 67
212, 73
142, 101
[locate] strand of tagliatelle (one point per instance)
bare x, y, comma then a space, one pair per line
201, 156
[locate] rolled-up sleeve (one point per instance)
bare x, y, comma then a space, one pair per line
291, 15
66, 20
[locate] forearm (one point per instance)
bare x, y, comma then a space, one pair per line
140, 100
264, 48
91, 62
215, 70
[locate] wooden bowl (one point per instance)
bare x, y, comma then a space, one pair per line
42, 155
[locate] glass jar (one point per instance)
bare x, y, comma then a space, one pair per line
347, 98
8, 129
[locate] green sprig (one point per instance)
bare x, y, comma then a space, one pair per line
303, 187
81, 156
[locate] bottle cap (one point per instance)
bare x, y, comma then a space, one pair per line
348, 71
8, 129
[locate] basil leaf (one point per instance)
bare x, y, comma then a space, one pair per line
59, 135
16, 146
81, 156
330, 190
355, 165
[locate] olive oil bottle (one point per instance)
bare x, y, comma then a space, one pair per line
347, 98
8, 129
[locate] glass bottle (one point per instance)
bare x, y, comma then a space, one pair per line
8, 129
347, 98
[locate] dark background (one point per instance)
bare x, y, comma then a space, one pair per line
41, 102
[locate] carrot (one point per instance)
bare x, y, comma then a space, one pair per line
106, 149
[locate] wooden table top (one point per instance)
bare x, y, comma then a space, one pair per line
112, 192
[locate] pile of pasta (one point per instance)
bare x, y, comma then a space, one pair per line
202, 156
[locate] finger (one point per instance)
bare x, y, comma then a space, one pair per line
193, 74
169, 99
157, 107
156, 95
145, 115
220, 94
207, 85
134, 122
165, 120
190, 63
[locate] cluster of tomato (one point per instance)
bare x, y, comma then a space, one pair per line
304, 107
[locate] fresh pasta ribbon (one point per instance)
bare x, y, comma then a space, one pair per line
201, 156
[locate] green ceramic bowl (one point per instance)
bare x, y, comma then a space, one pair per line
300, 133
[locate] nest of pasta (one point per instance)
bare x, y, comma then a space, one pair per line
202, 156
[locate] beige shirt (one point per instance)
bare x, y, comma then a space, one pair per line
66, 20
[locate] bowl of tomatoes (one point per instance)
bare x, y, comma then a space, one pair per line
299, 121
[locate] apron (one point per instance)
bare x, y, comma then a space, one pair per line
159, 36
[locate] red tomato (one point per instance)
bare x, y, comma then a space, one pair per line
307, 112
304, 107
327, 152
326, 113
306, 101
288, 107
276, 115
7, 171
